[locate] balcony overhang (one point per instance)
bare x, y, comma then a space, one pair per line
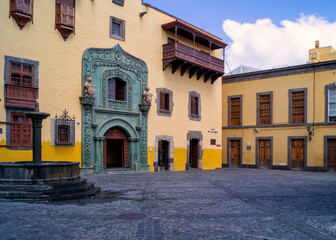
188, 31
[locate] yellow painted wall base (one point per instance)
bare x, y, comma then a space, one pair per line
49, 153
212, 158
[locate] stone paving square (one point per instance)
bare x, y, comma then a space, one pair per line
216, 204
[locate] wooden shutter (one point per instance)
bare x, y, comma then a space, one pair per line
120, 90
265, 109
234, 111
162, 101
194, 105
298, 107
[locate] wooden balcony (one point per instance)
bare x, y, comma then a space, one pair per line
188, 58
18, 96
197, 62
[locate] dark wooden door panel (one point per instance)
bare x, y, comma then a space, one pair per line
235, 153
297, 153
264, 153
331, 154
194, 153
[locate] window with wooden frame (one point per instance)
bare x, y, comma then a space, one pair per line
298, 107
65, 17
21, 74
21, 11
194, 106
117, 28
235, 111
264, 109
212, 141
164, 101
116, 89
21, 130
331, 104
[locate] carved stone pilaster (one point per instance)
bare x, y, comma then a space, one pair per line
144, 130
87, 103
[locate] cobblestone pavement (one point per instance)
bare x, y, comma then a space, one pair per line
218, 204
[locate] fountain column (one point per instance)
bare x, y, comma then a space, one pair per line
37, 118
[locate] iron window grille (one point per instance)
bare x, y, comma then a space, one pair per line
64, 130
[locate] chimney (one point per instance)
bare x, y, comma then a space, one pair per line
317, 44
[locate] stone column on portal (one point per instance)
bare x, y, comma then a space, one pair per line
133, 156
99, 154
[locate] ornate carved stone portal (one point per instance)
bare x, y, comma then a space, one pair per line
120, 80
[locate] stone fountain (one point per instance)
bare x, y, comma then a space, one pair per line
42, 181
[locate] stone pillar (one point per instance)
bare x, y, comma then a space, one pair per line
99, 154
87, 145
133, 156
144, 107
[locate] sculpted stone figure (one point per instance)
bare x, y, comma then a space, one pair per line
147, 96
89, 88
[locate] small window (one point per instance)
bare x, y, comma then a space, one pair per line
116, 89
212, 141
298, 107
235, 111
332, 105
63, 130
164, 101
117, 28
265, 109
21, 74
21, 131
194, 106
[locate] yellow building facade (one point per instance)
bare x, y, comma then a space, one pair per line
50, 49
282, 118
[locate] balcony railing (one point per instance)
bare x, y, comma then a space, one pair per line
21, 96
199, 58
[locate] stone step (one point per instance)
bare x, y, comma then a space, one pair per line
70, 192
41, 187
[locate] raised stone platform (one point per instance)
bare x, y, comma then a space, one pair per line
45, 182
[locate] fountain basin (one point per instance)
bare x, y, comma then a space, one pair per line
46, 172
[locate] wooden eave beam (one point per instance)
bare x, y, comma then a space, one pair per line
175, 65
200, 73
214, 77
185, 67
194, 70
208, 75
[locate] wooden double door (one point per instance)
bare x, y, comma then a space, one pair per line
264, 154
297, 153
331, 155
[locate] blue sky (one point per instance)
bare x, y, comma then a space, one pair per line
210, 14
256, 29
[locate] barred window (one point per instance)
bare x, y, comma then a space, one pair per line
265, 109
116, 89
63, 130
117, 28
298, 107
235, 113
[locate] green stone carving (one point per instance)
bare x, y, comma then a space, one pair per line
99, 113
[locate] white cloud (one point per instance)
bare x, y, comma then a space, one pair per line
264, 45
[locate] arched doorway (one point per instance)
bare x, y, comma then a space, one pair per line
115, 149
